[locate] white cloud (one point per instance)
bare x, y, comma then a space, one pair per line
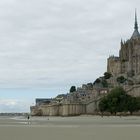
8, 102
12, 105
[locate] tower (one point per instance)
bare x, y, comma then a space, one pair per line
128, 62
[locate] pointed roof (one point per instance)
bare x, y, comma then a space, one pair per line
136, 23
136, 33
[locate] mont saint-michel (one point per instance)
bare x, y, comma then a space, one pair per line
122, 71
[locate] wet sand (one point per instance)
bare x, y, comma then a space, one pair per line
70, 128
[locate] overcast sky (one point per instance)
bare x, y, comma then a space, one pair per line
46, 46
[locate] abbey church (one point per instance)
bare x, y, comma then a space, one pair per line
128, 62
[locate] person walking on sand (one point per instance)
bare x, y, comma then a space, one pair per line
28, 118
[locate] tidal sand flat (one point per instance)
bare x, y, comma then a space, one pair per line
70, 128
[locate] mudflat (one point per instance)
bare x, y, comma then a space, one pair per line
70, 128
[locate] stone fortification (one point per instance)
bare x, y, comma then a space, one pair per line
124, 70
82, 101
133, 90
59, 110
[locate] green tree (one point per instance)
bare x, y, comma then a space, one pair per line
104, 83
138, 103
121, 79
132, 105
103, 104
107, 75
118, 101
97, 81
90, 84
115, 101
72, 89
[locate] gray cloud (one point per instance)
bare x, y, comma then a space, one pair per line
52, 44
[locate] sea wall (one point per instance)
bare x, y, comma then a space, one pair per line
73, 109
59, 110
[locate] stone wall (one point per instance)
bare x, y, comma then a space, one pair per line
35, 111
49, 110
73, 109
59, 110
91, 108
134, 90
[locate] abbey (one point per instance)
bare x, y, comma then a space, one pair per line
128, 62
123, 71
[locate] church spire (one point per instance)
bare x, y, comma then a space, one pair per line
136, 33
136, 23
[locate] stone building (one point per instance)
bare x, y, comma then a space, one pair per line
128, 62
